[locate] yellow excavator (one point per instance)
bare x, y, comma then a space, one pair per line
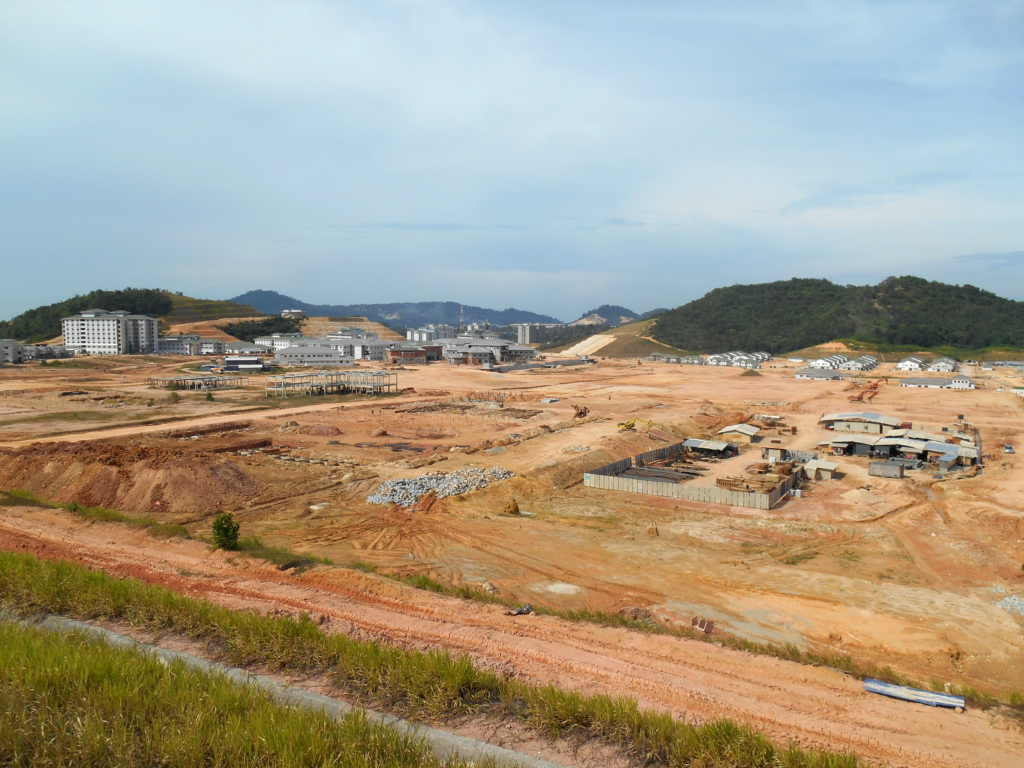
631, 424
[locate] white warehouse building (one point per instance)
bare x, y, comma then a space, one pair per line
99, 332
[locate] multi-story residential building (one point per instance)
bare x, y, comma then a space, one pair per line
475, 351
99, 332
421, 335
531, 334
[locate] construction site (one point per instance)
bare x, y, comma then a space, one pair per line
698, 498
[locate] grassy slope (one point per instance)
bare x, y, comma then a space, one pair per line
70, 700
189, 310
634, 340
423, 684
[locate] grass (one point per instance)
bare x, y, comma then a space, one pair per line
70, 700
430, 684
96, 514
253, 546
69, 416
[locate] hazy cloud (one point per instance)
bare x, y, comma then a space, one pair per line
840, 195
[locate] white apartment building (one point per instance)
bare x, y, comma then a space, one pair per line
421, 334
99, 332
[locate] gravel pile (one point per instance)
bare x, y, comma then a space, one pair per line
407, 492
1012, 604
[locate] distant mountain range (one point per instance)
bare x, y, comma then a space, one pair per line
399, 315
795, 314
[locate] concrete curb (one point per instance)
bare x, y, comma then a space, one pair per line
442, 743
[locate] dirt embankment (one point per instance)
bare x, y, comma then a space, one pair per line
814, 706
132, 478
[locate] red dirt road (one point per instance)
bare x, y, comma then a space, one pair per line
815, 707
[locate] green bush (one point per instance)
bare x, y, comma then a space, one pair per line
209, 397
225, 531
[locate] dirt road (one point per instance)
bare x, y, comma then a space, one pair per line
205, 421
816, 707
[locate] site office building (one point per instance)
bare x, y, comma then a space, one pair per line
99, 332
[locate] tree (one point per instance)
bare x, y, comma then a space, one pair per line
225, 531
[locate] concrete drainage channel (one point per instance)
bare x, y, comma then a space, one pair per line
442, 743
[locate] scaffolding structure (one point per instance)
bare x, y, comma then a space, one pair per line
331, 383
205, 383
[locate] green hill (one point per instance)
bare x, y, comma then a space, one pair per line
798, 313
43, 323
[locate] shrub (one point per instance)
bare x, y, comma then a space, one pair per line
225, 531
209, 397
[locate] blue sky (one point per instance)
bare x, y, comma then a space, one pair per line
550, 156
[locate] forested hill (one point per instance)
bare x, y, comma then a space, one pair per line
798, 313
398, 315
43, 323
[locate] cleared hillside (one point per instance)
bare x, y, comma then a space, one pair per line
185, 309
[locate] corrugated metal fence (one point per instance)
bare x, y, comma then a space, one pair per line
607, 478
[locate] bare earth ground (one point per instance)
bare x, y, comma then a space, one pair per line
912, 573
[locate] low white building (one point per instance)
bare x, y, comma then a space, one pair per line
832, 362
943, 365
310, 355
862, 363
278, 340
911, 363
818, 374
99, 332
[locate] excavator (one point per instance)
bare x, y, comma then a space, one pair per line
631, 424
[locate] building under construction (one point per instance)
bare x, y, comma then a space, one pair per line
331, 383
668, 472
202, 383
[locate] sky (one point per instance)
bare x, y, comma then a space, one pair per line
550, 156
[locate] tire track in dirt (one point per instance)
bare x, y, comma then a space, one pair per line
700, 682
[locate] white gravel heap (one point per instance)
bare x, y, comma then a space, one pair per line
407, 492
1012, 604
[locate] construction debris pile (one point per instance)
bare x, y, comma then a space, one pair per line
406, 492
